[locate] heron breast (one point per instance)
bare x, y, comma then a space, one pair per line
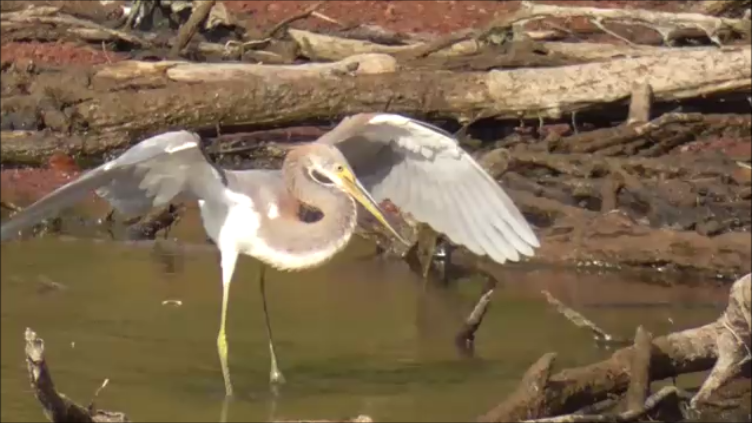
233, 224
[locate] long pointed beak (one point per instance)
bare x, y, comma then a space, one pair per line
358, 192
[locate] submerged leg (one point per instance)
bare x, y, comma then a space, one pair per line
229, 258
225, 410
275, 376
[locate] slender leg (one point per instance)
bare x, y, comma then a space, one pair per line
225, 410
275, 376
229, 259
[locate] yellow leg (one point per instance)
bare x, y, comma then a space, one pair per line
229, 259
225, 410
275, 376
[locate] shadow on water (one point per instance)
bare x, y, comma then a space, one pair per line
353, 337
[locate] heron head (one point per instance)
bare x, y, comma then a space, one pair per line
327, 166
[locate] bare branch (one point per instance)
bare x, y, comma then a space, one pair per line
57, 407
579, 320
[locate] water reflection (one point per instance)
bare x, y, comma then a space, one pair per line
354, 337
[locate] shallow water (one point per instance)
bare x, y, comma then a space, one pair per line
358, 336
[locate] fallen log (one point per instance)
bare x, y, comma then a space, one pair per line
677, 353
268, 100
50, 15
667, 24
317, 46
327, 47
180, 71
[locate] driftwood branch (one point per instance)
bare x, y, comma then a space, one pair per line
199, 13
327, 47
631, 415
459, 46
569, 390
581, 321
465, 338
51, 15
56, 406
639, 368
664, 22
188, 72
733, 343
285, 22
529, 398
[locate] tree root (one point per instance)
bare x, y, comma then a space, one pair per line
631, 415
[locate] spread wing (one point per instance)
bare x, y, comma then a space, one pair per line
147, 175
423, 170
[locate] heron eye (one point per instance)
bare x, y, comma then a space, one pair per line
320, 178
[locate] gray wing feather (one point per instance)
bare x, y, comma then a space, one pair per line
493, 241
423, 170
149, 174
466, 234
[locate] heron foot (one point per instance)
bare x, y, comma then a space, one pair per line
276, 378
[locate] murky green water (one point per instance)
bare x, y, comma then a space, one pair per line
354, 337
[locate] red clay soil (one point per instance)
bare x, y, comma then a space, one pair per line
410, 16
23, 186
56, 54
437, 17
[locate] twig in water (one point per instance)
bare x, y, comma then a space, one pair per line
581, 321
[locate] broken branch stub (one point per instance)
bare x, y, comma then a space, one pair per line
733, 342
56, 406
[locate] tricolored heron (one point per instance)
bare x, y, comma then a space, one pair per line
366, 158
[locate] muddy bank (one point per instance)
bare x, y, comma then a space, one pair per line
611, 174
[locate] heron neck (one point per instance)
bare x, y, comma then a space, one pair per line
302, 241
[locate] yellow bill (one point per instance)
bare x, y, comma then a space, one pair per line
358, 192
